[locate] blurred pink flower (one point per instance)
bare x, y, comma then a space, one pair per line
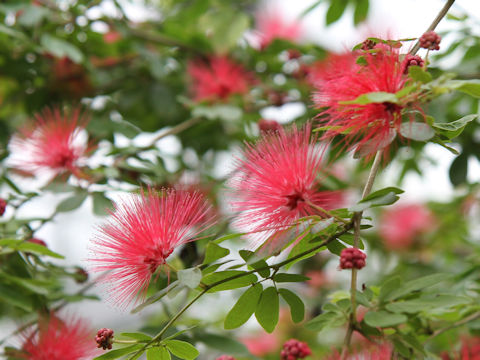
52, 143
111, 37
140, 235
55, 339
218, 78
370, 352
401, 224
276, 182
271, 25
262, 344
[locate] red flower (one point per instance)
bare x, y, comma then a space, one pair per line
217, 79
142, 232
276, 182
59, 340
371, 126
271, 25
400, 225
53, 142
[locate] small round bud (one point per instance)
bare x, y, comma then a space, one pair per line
81, 275
294, 349
430, 40
225, 357
352, 258
268, 125
104, 338
368, 44
293, 54
37, 241
3, 206
412, 60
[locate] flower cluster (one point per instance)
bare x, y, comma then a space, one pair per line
430, 40
294, 349
352, 258
3, 206
104, 338
271, 25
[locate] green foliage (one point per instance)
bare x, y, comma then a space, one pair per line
268, 309
244, 307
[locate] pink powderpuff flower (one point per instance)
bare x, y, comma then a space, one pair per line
271, 25
142, 232
400, 225
369, 127
262, 344
57, 339
276, 182
53, 142
217, 79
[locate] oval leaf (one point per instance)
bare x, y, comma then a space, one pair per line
297, 308
384, 319
182, 349
244, 308
268, 309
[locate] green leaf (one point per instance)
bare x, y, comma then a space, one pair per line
12, 296
29, 247
136, 336
255, 263
381, 197
455, 128
228, 28
424, 304
384, 319
415, 285
470, 87
297, 308
101, 204
268, 309
61, 48
361, 11
33, 15
416, 131
335, 10
158, 353
214, 252
182, 349
419, 74
244, 308
388, 287
117, 353
126, 128
458, 170
222, 343
328, 319
190, 277
239, 282
372, 97
284, 277
72, 202
335, 247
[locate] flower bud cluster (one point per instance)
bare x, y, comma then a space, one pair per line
430, 40
294, 349
352, 258
104, 338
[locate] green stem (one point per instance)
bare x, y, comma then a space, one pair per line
464, 321
173, 131
434, 23
356, 220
